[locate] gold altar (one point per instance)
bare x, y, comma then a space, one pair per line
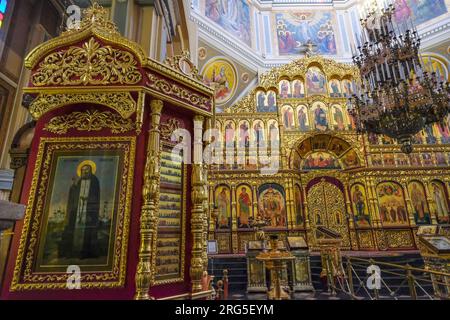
327, 175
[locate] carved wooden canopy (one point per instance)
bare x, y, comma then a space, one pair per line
93, 63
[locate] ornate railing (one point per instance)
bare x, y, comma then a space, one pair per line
346, 281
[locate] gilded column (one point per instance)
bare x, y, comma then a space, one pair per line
198, 197
212, 220
149, 212
206, 206
409, 206
351, 221
234, 224
431, 203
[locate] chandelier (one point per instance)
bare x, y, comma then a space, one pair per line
397, 97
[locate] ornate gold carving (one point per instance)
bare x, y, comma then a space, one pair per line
184, 64
169, 127
399, 239
122, 102
149, 214
162, 85
24, 278
327, 208
91, 63
94, 16
91, 120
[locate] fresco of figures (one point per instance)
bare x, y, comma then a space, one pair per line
321, 160
272, 204
296, 28
266, 101
420, 11
244, 200
440, 199
231, 15
360, 207
392, 204
419, 202
223, 205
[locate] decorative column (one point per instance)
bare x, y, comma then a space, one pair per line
198, 197
409, 206
212, 220
431, 203
206, 207
234, 223
351, 221
149, 213
379, 237
290, 195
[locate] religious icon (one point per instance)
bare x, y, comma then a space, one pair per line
261, 101
273, 131
320, 118
440, 200
285, 89
440, 159
321, 160
258, 129
223, 203
244, 134
298, 207
443, 133
271, 102
335, 90
221, 75
80, 234
288, 117
359, 201
229, 134
315, 81
392, 204
298, 89
271, 204
429, 134
419, 202
244, 205
377, 160
347, 88
338, 146
338, 118
373, 138
302, 115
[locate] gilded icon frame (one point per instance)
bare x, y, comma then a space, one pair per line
25, 276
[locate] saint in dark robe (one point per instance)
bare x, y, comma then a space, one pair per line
79, 238
302, 119
271, 102
339, 118
321, 119
261, 101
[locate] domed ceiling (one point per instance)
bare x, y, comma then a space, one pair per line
243, 38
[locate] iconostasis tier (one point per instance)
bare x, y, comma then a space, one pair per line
363, 187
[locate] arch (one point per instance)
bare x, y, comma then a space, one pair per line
339, 148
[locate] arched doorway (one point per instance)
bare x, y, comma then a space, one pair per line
326, 208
